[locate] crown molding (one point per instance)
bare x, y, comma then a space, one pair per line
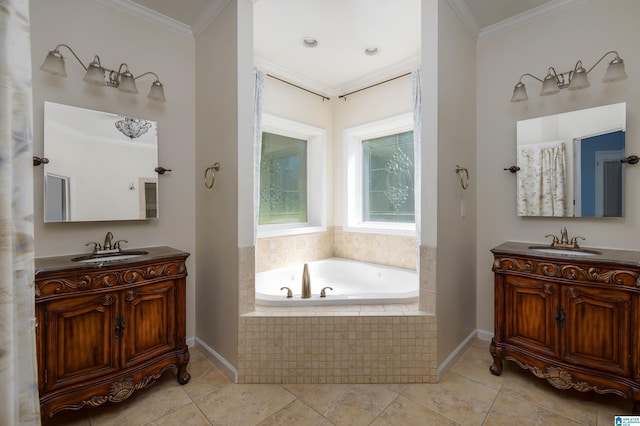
146, 14
408, 65
463, 13
292, 77
528, 17
392, 71
208, 15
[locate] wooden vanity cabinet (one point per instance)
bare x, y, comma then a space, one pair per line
106, 331
571, 320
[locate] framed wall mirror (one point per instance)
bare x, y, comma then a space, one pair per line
570, 163
101, 166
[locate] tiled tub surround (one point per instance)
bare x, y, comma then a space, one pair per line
337, 349
346, 344
391, 250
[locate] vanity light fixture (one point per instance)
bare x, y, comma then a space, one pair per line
96, 74
575, 79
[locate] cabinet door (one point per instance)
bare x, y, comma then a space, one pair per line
530, 309
150, 321
597, 327
79, 336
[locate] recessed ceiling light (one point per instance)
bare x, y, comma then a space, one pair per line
371, 51
309, 42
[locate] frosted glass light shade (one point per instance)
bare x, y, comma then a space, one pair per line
549, 85
519, 93
54, 64
95, 74
157, 92
615, 71
127, 83
579, 80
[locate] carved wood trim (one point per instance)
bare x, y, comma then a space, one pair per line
562, 379
109, 279
123, 389
568, 271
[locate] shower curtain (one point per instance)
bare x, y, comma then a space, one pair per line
541, 179
258, 91
19, 404
417, 149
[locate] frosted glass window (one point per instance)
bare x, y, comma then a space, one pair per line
283, 180
388, 179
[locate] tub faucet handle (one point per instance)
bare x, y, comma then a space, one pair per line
289, 292
323, 292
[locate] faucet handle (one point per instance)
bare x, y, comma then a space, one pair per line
96, 246
323, 292
289, 292
116, 245
555, 238
574, 241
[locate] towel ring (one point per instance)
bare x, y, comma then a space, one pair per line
210, 175
464, 180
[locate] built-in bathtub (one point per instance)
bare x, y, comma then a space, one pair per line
352, 283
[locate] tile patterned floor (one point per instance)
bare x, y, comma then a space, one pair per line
467, 395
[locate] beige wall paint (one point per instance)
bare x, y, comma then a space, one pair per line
456, 283
583, 32
217, 209
92, 28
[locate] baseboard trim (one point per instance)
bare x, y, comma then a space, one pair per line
219, 361
457, 352
485, 335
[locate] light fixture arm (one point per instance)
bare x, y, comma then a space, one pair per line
603, 56
148, 72
57, 49
530, 75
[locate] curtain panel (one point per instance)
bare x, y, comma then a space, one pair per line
19, 404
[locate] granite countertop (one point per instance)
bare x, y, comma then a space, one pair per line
61, 263
606, 255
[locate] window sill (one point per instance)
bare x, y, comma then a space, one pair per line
382, 228
266, 231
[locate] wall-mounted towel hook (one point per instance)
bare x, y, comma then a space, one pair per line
210, 175
464, 179
39, 160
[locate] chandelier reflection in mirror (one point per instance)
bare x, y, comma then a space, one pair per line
573, 80
132, 127
96, 74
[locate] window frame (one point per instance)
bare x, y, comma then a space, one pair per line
316, 176
353, 165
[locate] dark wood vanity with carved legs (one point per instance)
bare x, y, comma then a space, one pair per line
570, 319
108, 328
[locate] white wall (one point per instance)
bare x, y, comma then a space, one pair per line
560, 41
456, 207
91, 28
217, 208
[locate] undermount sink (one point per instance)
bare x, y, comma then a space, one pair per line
565, 251
109, 257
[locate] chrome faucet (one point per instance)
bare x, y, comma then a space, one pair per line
306, 282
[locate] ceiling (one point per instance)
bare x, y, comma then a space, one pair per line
343, 29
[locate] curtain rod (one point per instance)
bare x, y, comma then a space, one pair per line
373, 85
301, 88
